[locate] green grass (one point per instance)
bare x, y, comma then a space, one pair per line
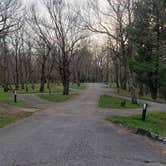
155, 122
7, 118
127, 93
81, 87
7, 98
56, 97
114, 102
112, 85
55, 88
148, 98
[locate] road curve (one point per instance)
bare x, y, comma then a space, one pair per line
75, 134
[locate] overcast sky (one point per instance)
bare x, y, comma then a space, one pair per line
77, 1
98, 38
102, 2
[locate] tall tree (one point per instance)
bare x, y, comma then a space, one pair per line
9, 18
65, 23
148, 38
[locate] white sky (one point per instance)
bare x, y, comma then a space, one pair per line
99, 39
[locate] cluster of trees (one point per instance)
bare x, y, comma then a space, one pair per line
136, 31
8, 21
48, 46
148, 34
55, 45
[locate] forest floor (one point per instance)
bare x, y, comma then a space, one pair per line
75, 133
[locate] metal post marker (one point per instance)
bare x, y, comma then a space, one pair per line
144, 112
15, 96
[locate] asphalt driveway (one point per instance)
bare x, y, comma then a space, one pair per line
75, 133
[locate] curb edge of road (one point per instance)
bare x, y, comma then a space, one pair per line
143, 132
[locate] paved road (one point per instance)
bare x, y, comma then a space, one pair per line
75, 134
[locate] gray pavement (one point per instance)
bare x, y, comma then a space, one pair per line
75, 133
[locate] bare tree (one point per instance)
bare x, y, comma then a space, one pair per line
65, 24
114, 23
8, 16
8, 20
42, 40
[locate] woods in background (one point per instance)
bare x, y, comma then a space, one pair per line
137, 43
56, 45
40, 48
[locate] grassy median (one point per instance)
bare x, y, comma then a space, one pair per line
75, 86
7, 98
9, 117
115, 102
155, 122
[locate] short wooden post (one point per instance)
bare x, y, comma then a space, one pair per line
15, 96
144, 112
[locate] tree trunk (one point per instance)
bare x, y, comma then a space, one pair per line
17, 75
107, 77
65, 75
22, 86
154, 91
48, 85
26, 87
5, 65
120, 79
42, 83
117, 78
125, 77
132, 89
78, 83
66, 82
78, 79
66, 87
141, 89
6, 80
5, 88
33, 85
